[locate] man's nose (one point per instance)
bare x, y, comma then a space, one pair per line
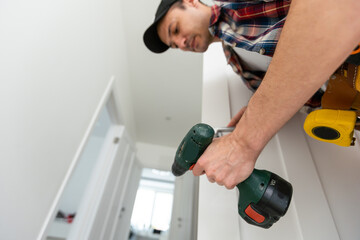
181, 43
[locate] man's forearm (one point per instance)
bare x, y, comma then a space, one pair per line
317, 37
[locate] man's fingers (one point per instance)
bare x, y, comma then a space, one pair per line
237, 117
212, 180
234, 121
198, 170
230, 182
223, 176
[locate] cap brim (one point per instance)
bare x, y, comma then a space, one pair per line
151, 36
153, 41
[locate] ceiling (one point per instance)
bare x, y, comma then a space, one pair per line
166, 88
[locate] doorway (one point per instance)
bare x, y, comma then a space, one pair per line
153, 206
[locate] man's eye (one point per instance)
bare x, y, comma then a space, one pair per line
176, 31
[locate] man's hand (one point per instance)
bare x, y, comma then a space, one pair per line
224, 160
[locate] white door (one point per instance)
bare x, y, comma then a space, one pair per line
182, 220
114, 190
122, 228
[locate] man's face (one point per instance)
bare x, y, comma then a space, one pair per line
187, 28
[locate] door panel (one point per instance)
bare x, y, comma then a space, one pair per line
119, 194
122, 227
101, 219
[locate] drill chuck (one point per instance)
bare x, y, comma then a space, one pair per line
177, 169
192, 147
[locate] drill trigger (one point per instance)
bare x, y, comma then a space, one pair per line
192, 166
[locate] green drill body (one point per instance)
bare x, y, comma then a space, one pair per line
258, 204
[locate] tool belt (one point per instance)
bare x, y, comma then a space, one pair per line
354, 58
338, 118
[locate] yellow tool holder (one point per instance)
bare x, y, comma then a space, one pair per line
333, 126
336, 121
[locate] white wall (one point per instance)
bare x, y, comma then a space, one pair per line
324, 176
338, 169
155, 156
166, 87
56, 60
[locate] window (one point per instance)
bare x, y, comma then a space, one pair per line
153, 203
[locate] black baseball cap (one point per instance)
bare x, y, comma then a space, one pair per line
151, 37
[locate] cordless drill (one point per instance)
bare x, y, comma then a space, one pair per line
264, 196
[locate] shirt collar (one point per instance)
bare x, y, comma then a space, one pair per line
215, 13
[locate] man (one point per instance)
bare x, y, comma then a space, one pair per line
261, 23
316, 38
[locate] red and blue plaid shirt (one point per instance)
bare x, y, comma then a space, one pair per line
254, 26
251, 25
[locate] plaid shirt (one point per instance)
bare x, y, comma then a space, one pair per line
251, 25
